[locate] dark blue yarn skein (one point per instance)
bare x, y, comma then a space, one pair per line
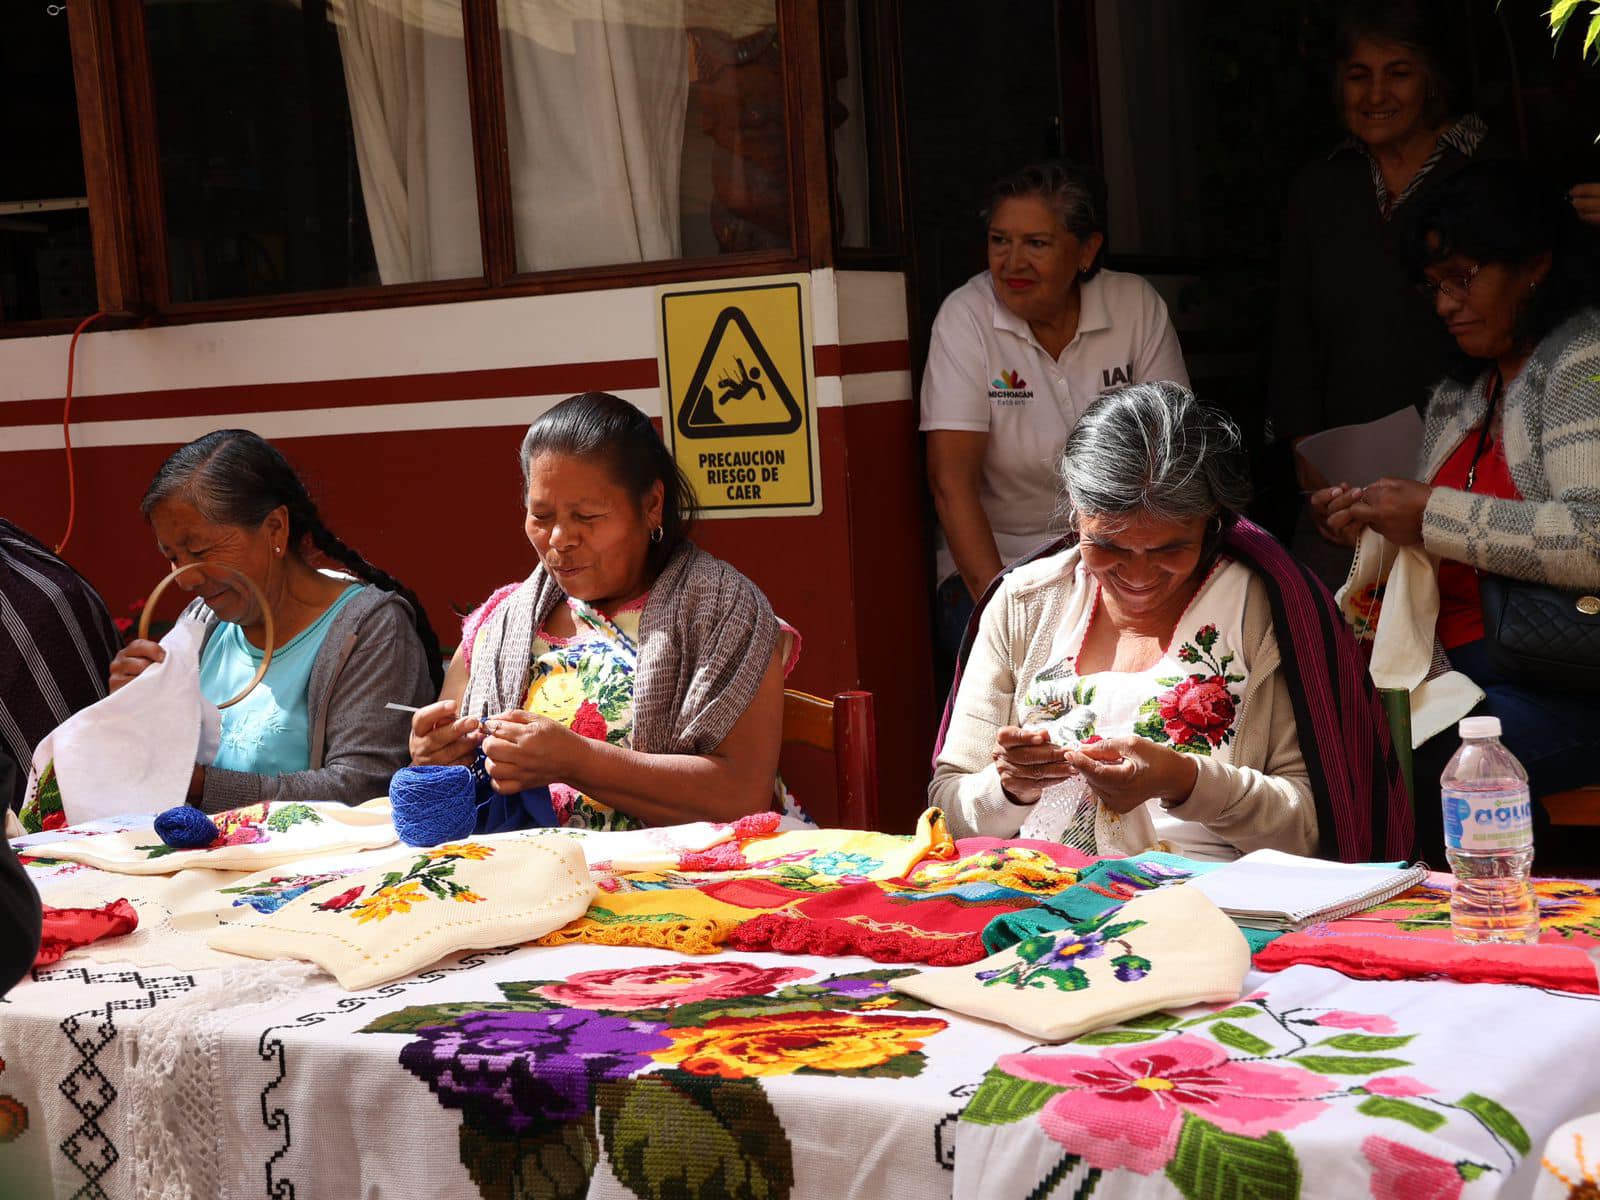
433, 804
186, 828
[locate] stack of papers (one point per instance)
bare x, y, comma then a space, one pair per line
1267, 889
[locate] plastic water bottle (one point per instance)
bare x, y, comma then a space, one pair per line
1488, 837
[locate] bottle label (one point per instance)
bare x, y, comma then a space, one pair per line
1487, 822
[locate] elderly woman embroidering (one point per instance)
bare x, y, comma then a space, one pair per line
1147, 687
230, 504
635, 676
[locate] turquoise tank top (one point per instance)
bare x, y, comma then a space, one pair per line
269, 731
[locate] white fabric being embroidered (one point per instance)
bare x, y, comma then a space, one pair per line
1187, 701
135, 750
1391, 597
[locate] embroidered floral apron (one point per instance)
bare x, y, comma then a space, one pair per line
1188, 701
585, 682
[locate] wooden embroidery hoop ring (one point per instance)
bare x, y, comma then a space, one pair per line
266, 615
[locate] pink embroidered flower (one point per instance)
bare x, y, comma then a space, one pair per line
1398, 1086
1340, 1019
1125, 1108
1198, 705
242, 835
340, 902
587, 722
1401, 1172
562, 797
669, 984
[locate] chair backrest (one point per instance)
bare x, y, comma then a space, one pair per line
845, 728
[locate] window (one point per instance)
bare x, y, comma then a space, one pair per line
46, 260
860, 36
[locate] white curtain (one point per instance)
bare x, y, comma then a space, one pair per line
596, 98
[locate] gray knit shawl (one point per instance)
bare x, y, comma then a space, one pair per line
706, 638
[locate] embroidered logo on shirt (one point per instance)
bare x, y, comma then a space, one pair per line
1010, 388
1111, 376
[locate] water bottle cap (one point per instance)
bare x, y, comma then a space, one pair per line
1479, 727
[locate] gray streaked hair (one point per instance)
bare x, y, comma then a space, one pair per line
1153, 450
1075, 194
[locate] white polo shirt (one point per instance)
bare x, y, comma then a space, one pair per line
987, 373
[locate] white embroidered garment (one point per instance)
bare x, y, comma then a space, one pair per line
253, 837
135, 750
1187, 701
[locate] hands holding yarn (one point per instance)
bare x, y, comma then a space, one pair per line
526, 751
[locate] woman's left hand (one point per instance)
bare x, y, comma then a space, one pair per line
1124, 772
1391, 506
527, 751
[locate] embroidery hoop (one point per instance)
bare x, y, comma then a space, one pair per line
266, 613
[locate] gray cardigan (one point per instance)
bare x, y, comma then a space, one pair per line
370, 656
1552, 446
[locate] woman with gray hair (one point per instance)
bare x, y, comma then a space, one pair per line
1129, 689
1017, 354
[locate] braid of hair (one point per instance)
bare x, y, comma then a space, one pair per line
325, 540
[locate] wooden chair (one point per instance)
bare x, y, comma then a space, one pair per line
844, 727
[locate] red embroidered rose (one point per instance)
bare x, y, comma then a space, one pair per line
55, 820
1199, 706
587, 722
342, 901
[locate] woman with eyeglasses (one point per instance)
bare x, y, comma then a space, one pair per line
1508, 480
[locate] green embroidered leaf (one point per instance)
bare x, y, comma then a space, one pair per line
160, 851
1207, 637
725, 1139
702, 1011
433, 885
413, 1018
1114, 1037
1212, 1164
1471, 1170
390, 879
1153, 1021
1230, 1034
1336, 1064
1497, 1120
1366, 1042
280, 819
1425, 1119
901, 1066
1237, 1013
553, 1163
1069, 979
1003, 1099
1123, 927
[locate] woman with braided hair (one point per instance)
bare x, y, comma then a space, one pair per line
346, 644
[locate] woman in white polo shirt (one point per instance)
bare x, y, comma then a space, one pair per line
1017, 354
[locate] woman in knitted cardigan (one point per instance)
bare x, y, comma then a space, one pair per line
1510, 461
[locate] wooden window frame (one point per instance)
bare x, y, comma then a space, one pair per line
111, 71
886, 144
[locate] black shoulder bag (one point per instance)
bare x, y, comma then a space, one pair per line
1534, 634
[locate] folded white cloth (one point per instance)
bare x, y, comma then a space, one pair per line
135, 750
1391, 598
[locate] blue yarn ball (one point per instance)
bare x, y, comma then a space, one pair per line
433, 804
186, 828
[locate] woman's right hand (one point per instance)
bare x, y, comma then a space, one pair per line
1028, 762
441, 739
137, 657
1328, 501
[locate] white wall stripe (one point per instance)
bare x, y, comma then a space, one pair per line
430, 339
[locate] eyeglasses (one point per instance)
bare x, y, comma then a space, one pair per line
1454, 286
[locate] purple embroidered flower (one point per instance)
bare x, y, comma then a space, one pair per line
858, 987
514, 1071
1131, 967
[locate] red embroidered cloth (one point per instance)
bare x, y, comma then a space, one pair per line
68, 928
936, 915
1409, 938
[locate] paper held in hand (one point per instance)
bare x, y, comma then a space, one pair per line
1267, 889
1361, 454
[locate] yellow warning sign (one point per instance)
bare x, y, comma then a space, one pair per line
739, 394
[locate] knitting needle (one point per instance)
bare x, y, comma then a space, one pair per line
394, 707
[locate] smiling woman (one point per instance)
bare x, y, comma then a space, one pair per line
1016, 355
230, 505
632, 675
1129, 692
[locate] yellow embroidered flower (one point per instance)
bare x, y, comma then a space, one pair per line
472, 850
556, 696
782, 1043
384, 901
467, 896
